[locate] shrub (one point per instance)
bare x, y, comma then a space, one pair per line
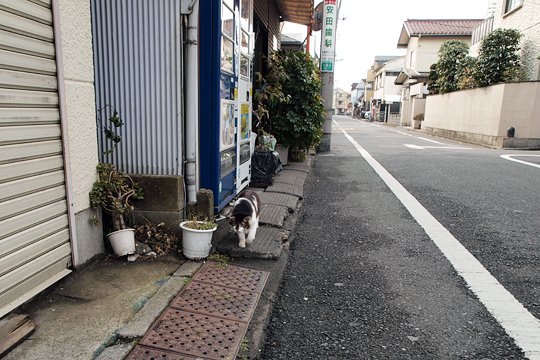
466, 74
296, 116
418, 117
451, 59
433, 86
498, 58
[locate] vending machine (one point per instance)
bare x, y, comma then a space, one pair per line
225, 53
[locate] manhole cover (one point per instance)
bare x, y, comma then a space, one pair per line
230, 276
217, 301
196, 335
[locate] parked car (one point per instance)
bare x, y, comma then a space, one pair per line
367, 115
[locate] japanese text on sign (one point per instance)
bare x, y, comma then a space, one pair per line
329, 36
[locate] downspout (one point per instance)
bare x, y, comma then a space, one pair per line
192, 101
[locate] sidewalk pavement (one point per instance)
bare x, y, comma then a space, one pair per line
104, 309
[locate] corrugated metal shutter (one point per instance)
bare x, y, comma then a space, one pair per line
35, 248
137, 58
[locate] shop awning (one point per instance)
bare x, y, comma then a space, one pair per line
296, 11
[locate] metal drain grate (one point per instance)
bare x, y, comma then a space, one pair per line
147, 353
196, 335
232, 277
217, 301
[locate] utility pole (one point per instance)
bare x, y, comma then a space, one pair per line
328, 57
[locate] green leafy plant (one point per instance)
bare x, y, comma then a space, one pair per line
222, 260
433, 86
200, 225
110, 128
264, 94
199, 222
451, 59
295, 108
418, 117
113, 192
498, 58
466, 74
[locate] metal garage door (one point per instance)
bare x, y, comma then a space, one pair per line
35, 248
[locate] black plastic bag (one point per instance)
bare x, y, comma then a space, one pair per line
264, 165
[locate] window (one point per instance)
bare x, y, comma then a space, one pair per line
512, 4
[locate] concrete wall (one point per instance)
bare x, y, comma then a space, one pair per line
77, 56
524, 19
483, 115
418, 107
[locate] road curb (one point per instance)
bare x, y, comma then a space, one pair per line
127, 336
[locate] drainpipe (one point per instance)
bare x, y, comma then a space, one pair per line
192, 101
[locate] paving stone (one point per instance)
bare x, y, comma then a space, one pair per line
267, 245
187, 269
291, 178
304, 167
295, 173
288, 201
273, 215
286, 189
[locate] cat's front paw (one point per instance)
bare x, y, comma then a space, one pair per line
249, 240
242, 244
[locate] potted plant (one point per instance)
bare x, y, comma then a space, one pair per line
197, 238
113, 192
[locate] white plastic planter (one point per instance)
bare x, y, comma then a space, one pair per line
196, 244
122, 242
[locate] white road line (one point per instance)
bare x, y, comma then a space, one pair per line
423, 147
402, 133
518, 323
433, 141
509, 157
416, 147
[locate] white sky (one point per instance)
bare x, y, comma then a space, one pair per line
370, 28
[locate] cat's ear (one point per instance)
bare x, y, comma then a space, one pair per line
247, 219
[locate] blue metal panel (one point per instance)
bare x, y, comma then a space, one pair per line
137, 62
209, 55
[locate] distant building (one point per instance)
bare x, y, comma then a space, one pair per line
370, 78
422, 39
342, 99
290, 43
386, 102
514, 14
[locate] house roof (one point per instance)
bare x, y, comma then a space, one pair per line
408, 73
296, 11
436, 27
354, 85
381, 59
285, 39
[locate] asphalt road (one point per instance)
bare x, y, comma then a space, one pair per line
364, 279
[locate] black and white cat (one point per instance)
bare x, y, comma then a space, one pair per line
244, 217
